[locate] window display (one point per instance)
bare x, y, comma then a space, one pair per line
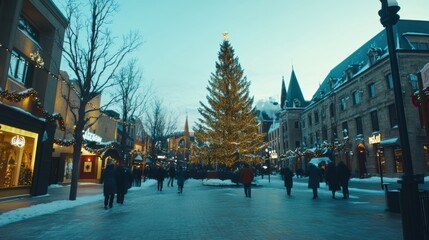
17, 154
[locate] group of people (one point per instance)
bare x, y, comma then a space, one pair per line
336, 177
116, 180
160, 174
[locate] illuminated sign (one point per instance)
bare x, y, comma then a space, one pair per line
375, 139
18, 141
89, 136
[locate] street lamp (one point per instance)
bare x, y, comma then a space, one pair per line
411, 222
268, 162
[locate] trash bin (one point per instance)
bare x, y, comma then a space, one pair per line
392, 199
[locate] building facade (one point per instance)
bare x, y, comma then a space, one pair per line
31, 35
353, 112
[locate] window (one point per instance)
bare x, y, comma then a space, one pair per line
334, 133
371, 90
343, 103
389, 81
309, 120
359, 128
28, 29
397, 155
420, 45
19, 69
303, 123
297, 144
296, 124
374, 121
345, 129
392, 116
332, 109
356, 97
316, 117
324, 133
311, 139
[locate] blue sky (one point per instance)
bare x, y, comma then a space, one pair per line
182, 39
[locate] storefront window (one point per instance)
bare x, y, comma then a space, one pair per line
17, 155
399, 166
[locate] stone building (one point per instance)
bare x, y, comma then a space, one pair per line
353, 111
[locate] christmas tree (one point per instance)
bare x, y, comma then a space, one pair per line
228, 124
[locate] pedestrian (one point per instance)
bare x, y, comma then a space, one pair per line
287, 177
160, 176
180, 179
108, 178
299, 173
146, 172
344, 174
172, 175
137, 174
124, 179
314, 179
332, 178
246, 177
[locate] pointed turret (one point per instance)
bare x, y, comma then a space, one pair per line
186, 134
283, 95
295, 97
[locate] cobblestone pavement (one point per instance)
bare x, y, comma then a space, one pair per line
207, 212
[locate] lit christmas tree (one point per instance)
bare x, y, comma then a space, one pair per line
228, 125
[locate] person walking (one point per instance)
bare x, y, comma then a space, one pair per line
344, 174
124, 179
313, 179
287, 177
332, 178
160, 176
172, 175
108, 178
180, 179
246, 177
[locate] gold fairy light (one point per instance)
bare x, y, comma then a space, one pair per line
35, 57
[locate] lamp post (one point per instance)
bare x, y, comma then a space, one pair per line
411, 221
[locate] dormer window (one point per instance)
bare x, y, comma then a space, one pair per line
373, 55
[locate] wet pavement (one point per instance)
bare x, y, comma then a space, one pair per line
210, 212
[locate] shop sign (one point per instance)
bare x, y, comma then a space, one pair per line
18, 141
375, 139
89, 136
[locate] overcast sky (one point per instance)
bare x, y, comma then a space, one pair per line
182, 39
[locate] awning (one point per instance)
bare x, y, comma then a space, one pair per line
138, 158
390, 142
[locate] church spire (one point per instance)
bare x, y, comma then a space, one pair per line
186, 133
283, 94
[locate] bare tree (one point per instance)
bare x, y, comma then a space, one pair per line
159, 124
132, 100
93, 59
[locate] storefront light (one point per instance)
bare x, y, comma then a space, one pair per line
18, 141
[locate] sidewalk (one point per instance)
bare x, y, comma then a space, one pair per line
207, 212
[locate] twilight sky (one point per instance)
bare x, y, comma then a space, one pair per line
182, 39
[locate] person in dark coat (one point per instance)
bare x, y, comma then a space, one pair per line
314, 176
287, 177
160, 176
109, 184
180, 178
172, 175
137, 174
332, 179
124, 179
343, 173
246, 177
